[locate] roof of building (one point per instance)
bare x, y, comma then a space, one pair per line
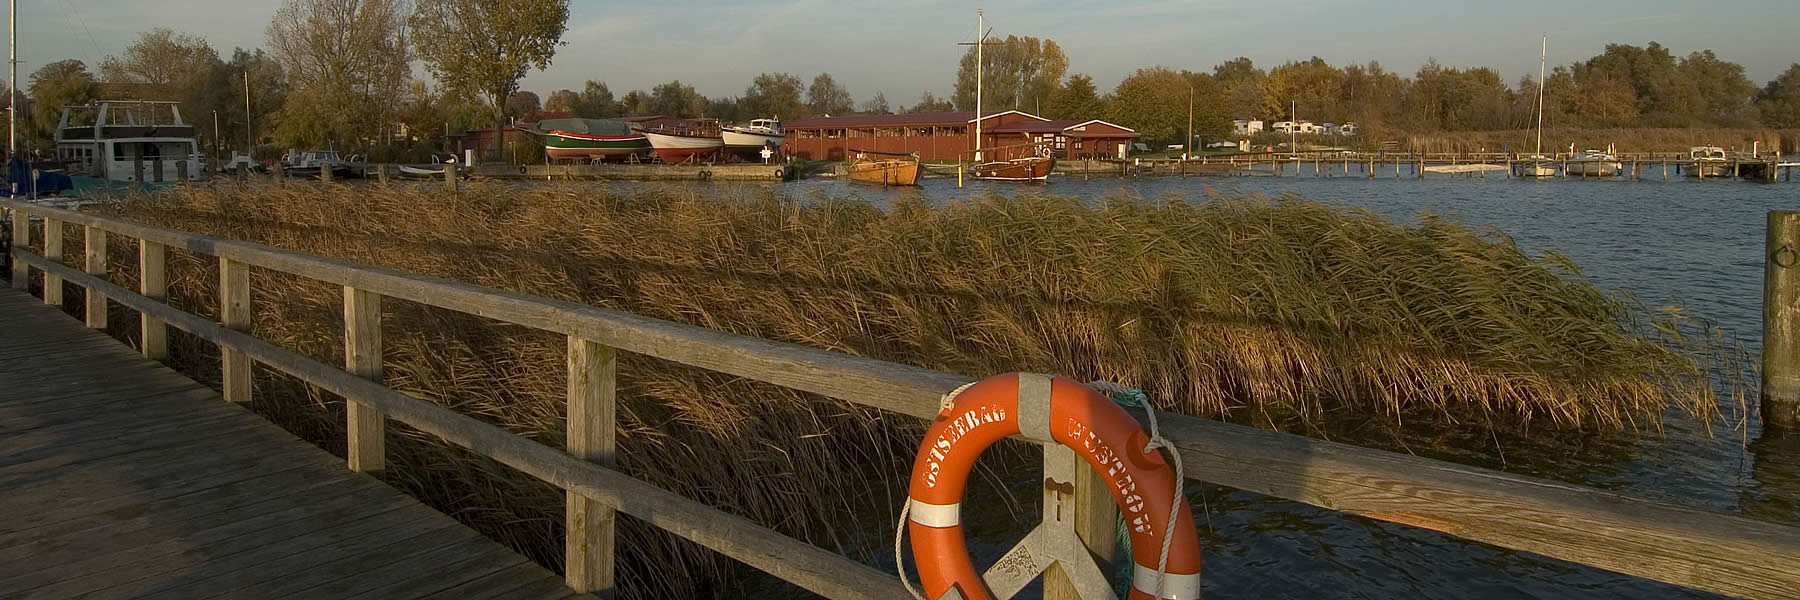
900, 120
1057, 125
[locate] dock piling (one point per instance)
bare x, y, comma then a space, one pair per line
450, 177
1781, 321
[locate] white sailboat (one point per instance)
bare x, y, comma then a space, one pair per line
1538, 165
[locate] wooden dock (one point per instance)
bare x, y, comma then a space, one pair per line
120, 478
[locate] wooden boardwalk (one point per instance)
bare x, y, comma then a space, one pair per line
120, 478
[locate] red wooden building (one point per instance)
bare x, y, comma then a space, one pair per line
949, 136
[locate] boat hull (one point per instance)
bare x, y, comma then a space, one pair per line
1709, 169
1534, 169
1035, 168
749, 145
673, 148
885, 171
1594, 168
562, 145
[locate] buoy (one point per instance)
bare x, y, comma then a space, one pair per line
1047, 409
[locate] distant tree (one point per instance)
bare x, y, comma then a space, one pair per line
487, 46
1779, 101
1018, 73
1154, 101
724, 109
1075, 99
777, 95
347, 67
1446, 99
1241, 84
877, 105
1314, 85
1372, 97
268, 88
562, 101
522, 102
1723, 91
636, 103
929, 103
54, 86
826, 97
596, 102
164, 59
676, 100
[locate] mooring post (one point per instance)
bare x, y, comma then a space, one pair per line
1781, 321
450, 177
325, 173
381, 174
589, 527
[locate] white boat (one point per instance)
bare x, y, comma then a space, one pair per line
695, 140
1708, 161
133, 141
748, 141
1595, 163
1538, 165
311, 162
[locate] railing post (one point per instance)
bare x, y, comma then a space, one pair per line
153, 284
21, 237
590, 525
53, 250
1781, 322
362, 358
95, 264
1094, 516
234, 312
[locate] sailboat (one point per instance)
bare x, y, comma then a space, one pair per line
1020, 162
1538, 165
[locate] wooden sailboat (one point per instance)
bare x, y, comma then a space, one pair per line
1022, 162
885, 168
1538, 165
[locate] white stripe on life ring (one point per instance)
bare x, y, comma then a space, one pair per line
938, 515
1175, 585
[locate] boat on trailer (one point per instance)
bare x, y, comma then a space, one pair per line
748, 141
591, 139
885, 168
694, 140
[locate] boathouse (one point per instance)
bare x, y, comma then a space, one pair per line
949, 135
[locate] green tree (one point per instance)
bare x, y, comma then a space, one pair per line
1075, 99
165, 65
1779, 101
487, 46
1018, 73
596, 102
1154, 101
1241, 85
636, 103
1724, 92
562, 101
827, 97
676, 100
929, 103
347, 67
1372, 97
54, 86
777, 95
521, 103
877, 105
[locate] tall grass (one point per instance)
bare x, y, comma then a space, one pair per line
1270, 311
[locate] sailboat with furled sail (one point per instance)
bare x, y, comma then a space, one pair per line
1538, 165
1019, 162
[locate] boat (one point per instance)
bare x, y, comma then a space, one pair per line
311, 163
748, 141
1595, 163
693, 140
885, 168
132, 142
591, 139
1708, 161
1537, 165
1021, 162
411, 171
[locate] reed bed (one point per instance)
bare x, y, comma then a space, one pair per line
1274, 312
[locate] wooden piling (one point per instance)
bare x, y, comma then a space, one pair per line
590, 526
153, 284
365, 429
325, 173
450, 177
94, 263
1781, 321
234, 313
381, 174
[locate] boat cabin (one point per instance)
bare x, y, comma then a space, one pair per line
1706, 153
128, 140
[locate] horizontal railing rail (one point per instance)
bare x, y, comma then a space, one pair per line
1684, 546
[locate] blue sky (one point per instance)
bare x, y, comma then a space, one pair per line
903, 48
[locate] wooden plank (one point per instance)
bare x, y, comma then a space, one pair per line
234, 312
53, 250
153, 283
592, 425
425, 572
511, 582
21, 237
362, 357
94, 263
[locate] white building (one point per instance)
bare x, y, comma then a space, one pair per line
1243, 127
1293, 127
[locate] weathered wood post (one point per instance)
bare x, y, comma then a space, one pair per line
234, 312
381, 174
153, 283
450, 177
1781, 321
1371, 169
1093, 516
21, 237
94, 263
590, 525
364, 428
325, 173
53, 250
280, 175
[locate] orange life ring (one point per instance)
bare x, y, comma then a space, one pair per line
1045, 409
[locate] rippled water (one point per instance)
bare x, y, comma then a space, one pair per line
1698, 244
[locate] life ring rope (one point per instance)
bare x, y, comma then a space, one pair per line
1057, 542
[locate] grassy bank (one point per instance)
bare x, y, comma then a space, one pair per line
1274, 312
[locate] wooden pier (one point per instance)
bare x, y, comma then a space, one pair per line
155, 433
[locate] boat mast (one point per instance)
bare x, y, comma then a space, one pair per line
12, 79
1543, 56
249, 132
979, 39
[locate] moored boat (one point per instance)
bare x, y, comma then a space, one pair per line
1708, 161
1595, 163
591, 139
1023, 162
748, 141
686, 141
886, 168
1536, 165
134, 141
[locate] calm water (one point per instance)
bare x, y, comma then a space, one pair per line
1698, 244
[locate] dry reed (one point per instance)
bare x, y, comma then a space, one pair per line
1270, 311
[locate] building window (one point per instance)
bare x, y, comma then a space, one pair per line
957, 130
919, 131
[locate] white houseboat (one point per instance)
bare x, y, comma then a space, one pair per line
137, 141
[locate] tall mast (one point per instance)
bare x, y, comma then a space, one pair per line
979, 42
1543, 57
12, 79
249, 133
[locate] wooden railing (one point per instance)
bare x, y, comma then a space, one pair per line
1688, 547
